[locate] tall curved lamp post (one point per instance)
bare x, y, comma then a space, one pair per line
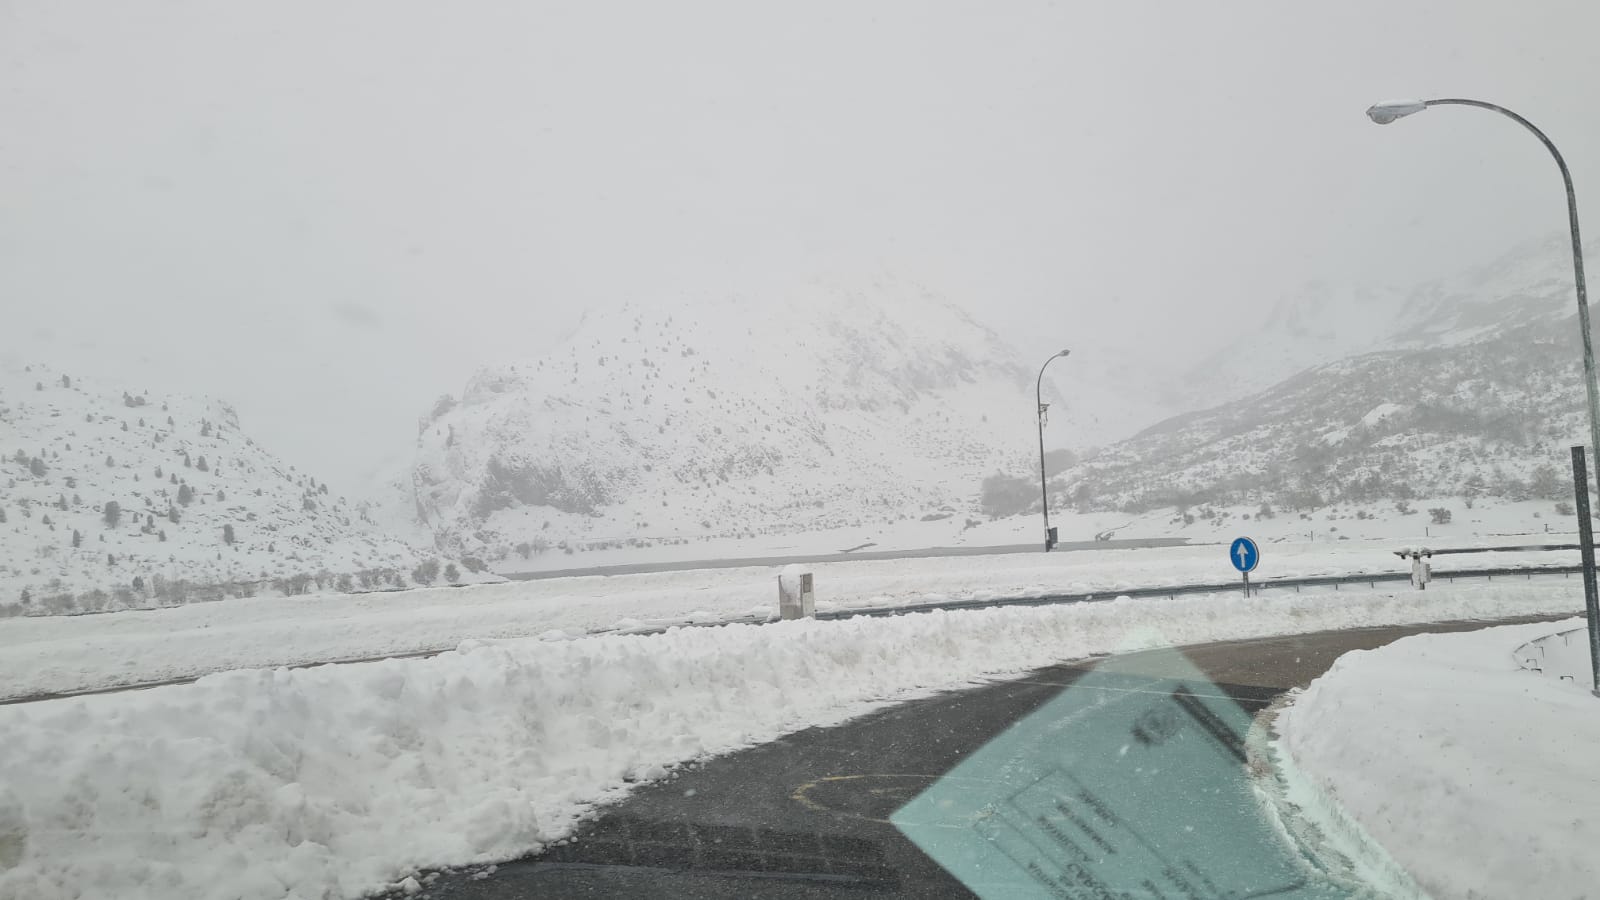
1044, 489
1389, 111
1383, 114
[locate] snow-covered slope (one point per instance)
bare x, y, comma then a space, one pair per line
1493, 418
1113, 389
1319, 323
115, 498
1324, 323
1475, 390
820, 410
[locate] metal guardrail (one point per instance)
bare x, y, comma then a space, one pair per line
1296, 584
1521, 548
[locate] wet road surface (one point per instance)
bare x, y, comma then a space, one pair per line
846, 556
807, 816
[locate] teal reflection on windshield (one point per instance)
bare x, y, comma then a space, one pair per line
1127, 784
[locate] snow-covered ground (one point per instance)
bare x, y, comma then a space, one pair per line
1477, 775
57, 654
1490, 522
339, 780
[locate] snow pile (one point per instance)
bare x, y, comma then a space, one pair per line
1474, 774
60, 654
340, 780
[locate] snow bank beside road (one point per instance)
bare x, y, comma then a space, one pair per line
339, 780
1475, 775
40, 655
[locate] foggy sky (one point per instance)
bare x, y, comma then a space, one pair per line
330, 213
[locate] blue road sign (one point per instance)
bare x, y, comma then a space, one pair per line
1244, 554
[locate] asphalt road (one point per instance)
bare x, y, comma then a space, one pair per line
807, 816
843, 556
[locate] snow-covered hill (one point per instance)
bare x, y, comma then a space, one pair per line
1491, 418
1318, 324
1474, 394
822, 410
115, 498
1113, 389
1323, 322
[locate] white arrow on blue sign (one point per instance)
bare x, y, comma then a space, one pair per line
1244, 554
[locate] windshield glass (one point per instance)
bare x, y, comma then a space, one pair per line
710, 449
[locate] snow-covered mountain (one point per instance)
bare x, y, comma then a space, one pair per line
1113, 389
821, 410
1318, 324
1475, 389
1323, 322
1490, 418
1116, 389
115, 498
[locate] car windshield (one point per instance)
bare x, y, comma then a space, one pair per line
707, 449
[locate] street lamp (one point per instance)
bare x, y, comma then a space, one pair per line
1044, 490
1390, 110
1383, 114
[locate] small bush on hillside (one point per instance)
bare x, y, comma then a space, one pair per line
1006, 495
426, 573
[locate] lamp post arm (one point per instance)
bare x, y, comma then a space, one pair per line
1591, 386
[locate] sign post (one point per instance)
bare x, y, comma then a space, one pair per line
1244, 554
1591, 594
1421, 569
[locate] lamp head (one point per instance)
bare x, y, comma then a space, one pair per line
1390, 110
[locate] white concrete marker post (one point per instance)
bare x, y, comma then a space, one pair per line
796, 598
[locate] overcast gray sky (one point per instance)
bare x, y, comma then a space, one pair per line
331, 212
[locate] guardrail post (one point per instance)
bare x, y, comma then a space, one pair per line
1591, 593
